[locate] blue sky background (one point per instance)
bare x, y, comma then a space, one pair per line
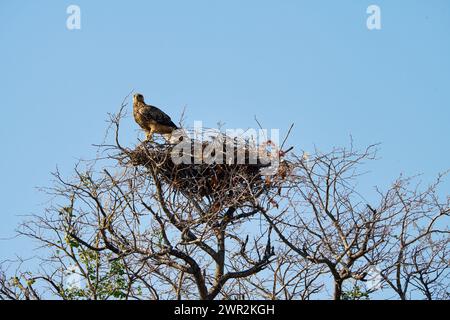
313, 63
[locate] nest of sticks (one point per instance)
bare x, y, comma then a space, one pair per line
236, 179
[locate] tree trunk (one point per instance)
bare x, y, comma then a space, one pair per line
337, 289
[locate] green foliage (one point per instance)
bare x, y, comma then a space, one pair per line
30, 282
103, 278
71, 241
66, 211
355, 294
75, 293
15, 281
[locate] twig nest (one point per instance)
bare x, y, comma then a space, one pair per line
203, 170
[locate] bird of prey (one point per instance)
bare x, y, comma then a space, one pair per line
151, 119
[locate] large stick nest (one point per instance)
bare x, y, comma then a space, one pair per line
232, 182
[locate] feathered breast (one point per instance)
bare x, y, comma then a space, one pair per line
145, 114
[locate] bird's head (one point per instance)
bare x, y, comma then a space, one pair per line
138, 98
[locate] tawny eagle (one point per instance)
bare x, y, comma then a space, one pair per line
151, 119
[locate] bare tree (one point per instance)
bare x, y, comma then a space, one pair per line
416, 257
327, 222
134, 224
151, 228
287, 278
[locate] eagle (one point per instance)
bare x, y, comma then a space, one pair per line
151, 119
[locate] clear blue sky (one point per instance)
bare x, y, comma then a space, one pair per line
313, 63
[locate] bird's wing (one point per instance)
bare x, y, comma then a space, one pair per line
159, 116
